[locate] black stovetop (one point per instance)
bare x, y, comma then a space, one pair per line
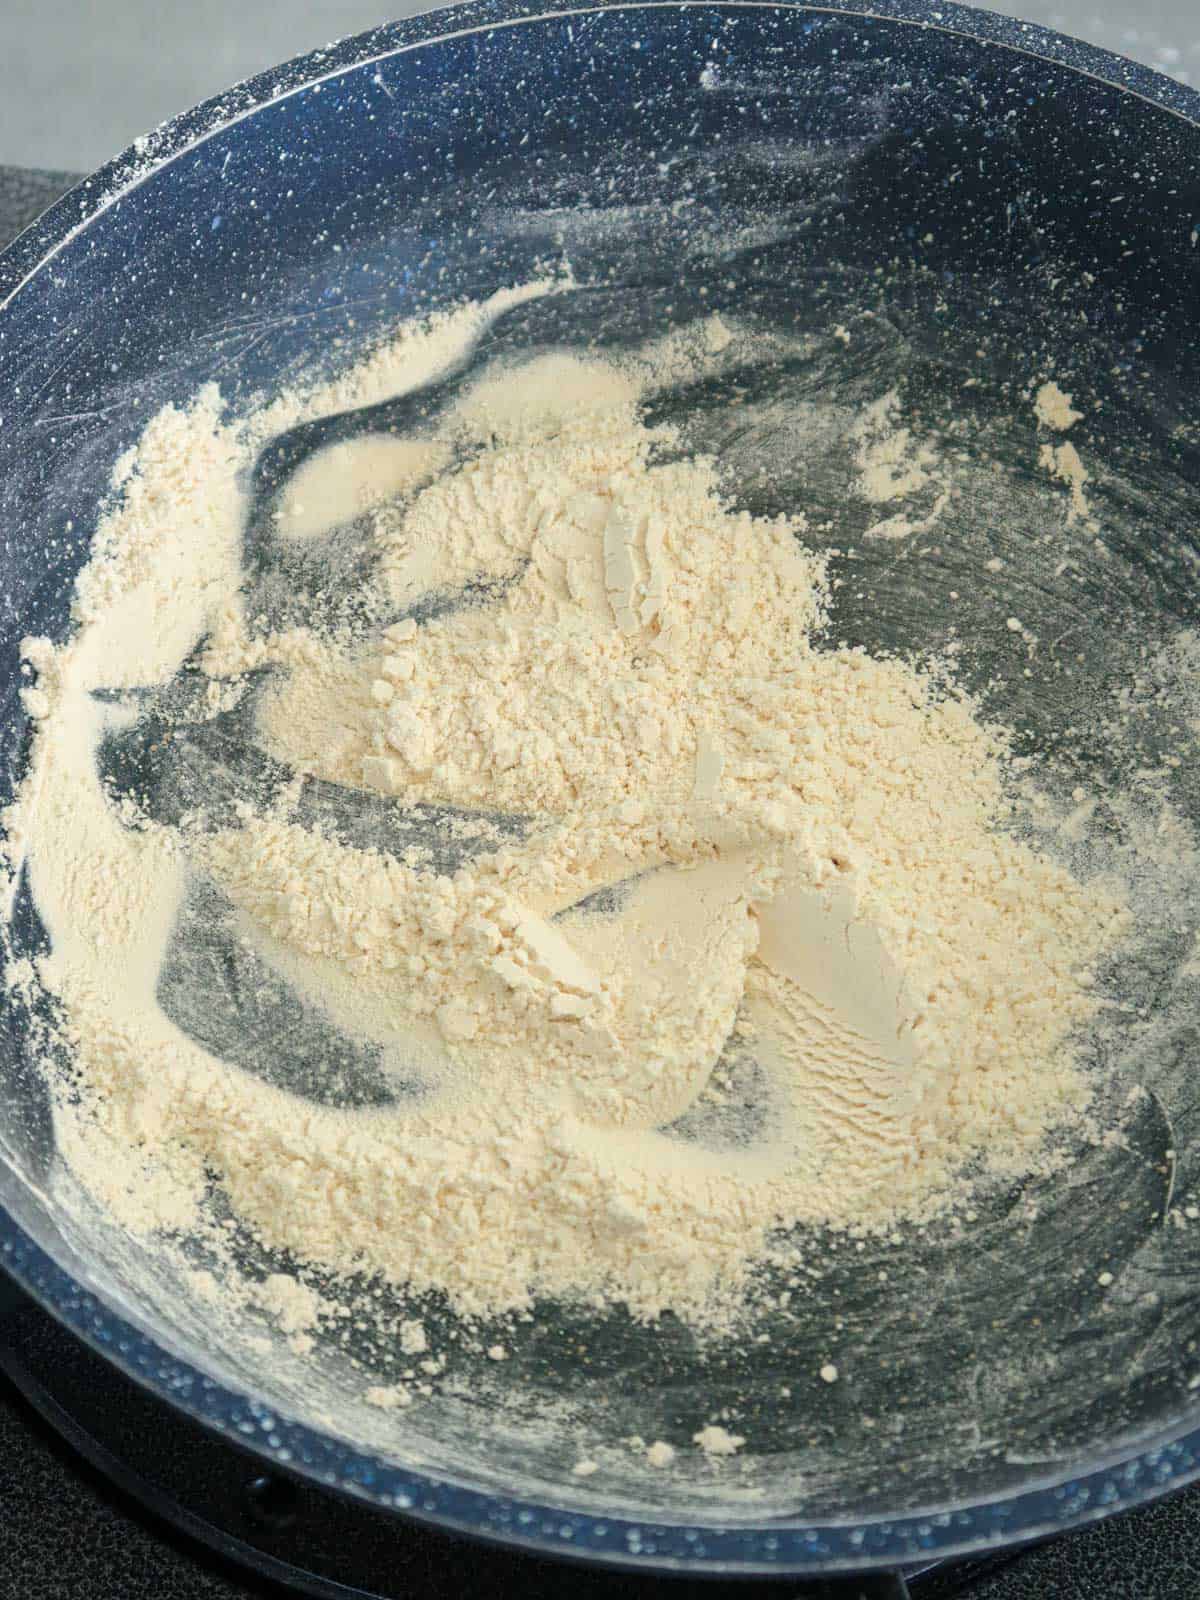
68, 1533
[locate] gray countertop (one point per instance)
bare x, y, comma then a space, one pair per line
81, 79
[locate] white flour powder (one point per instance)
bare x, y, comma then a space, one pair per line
892, 466
758, 951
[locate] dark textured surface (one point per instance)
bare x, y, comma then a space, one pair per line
1152, 1554
64, 1534
63, 1537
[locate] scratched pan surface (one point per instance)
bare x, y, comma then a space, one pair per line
978, 203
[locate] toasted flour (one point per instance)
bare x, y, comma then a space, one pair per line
736, 935
1054, 409
893, 466
717, 1441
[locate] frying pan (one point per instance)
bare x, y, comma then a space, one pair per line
984, 203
